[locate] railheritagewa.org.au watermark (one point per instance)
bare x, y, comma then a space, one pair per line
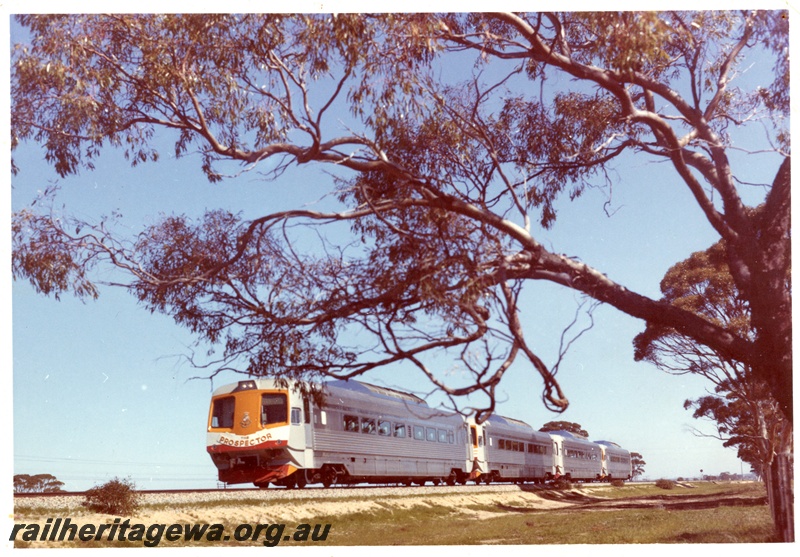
56, 530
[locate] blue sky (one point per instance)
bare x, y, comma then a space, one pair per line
101, 388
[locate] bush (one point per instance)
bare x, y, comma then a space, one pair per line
617, 483
562, 484
114, 497
665, 484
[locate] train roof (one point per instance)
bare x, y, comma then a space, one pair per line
609, 444
505, 420
375, 390
567, 434
351, 386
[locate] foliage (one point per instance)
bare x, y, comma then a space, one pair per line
565, 426
562, 484
117, 497
745, 413
617, 483
665, 484
444, 182
39, 483
637, 464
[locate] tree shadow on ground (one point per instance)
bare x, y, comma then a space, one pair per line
580, 502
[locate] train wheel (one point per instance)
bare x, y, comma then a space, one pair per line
488, 479
408, 482
451, 479
328, 476
300, 482
436, 481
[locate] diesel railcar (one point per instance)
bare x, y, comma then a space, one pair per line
516, 452
576, 458
262, 431
616, 461
259, 432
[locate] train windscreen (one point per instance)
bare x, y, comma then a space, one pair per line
273, 409
222, 413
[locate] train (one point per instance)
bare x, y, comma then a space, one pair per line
272, 432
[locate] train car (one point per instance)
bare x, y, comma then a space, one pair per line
261, 432
576, 458
516, 452
616, 461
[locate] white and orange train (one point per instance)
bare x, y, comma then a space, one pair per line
261, 433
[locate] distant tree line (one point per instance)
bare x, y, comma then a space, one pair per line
40, 483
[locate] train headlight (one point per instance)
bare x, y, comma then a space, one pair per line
245, 386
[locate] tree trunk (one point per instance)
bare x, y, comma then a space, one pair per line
780, 493
769, 290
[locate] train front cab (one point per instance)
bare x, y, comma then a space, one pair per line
477, 467
258, 432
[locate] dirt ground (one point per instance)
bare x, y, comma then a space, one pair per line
296, 507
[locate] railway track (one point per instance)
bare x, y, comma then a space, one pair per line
191, 497
339, 490
140, 491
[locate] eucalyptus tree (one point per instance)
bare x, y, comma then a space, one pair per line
565, 426
742, 408
637, 464
443, 179
745, 413
38, 483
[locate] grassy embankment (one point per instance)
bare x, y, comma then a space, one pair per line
703, 513
709, 513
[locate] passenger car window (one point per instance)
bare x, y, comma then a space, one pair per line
419, 432
367, 426
384, 428
399, 430
351, 423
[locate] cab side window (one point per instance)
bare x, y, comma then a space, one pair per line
222, 414
297, 416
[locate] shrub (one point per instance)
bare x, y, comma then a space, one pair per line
562, 484
665, 484
114, 497
617, 483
